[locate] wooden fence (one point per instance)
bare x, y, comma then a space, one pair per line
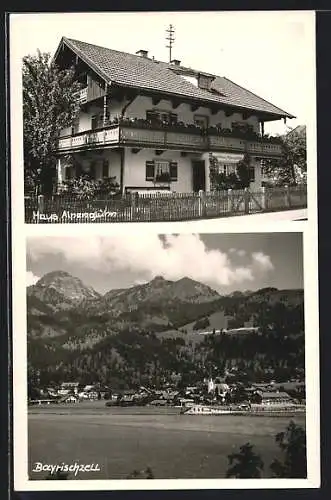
167, 206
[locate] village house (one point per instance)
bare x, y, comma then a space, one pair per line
68, 388
155, 126
276, 398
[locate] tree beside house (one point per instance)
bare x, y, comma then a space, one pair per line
49, 104
291, 168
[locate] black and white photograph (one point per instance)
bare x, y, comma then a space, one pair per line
187, 364
184, 350
199, 115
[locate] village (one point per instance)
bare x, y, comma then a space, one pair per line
210, 392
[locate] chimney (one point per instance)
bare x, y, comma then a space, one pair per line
176, 62
142, 53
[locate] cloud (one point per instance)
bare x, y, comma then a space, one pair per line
172, 256
240, 253
263, 261
31, 279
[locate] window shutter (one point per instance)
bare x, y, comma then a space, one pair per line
150, 168
151, 115
173, 118
173, 171
105, 169
93, 171
251, 174
94, 122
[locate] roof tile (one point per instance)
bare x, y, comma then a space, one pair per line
140, 72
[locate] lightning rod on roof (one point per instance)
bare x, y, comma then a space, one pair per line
171, 38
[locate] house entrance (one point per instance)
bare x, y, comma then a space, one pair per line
198, 175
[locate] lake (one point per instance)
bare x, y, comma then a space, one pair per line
121, 440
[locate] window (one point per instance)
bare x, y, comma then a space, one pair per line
162, 167
161, 116
242, 127
227, 169
151, 116
201, 121
173, 118
161, 171
205, 82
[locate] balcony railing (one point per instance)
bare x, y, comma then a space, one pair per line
90, 139
81, 96
140, 133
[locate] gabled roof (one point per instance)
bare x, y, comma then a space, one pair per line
129, 70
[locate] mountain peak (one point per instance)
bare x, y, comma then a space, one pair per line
62, 289
158, 278
52, 275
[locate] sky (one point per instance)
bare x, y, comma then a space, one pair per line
226, 262
272, 53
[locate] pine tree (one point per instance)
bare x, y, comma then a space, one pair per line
245, 464
292, 442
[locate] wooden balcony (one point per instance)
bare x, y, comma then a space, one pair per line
90, 139
123, 134
81, 96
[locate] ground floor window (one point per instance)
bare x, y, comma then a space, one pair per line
161, 171
227, 169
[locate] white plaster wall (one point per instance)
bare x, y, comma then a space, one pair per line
254, 121
135, 169
65, 131
84, 121
114, 165
115, 108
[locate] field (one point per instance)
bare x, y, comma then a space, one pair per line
121, 440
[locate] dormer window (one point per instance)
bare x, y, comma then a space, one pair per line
204, 82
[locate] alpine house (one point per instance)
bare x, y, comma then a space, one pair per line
153, 125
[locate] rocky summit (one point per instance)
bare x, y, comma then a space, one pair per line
60, 290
